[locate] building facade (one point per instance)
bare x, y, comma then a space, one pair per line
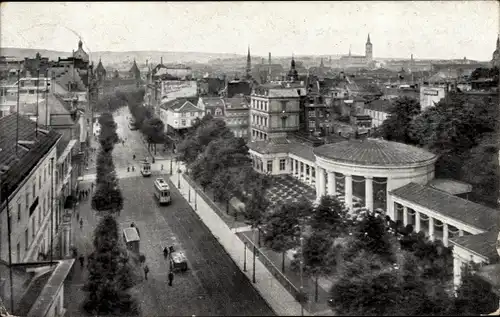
237, 116
179, 114
28, 183
274, 111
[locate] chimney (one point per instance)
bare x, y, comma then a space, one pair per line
161, 60
269, 58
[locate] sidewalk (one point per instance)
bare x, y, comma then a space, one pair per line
281, 301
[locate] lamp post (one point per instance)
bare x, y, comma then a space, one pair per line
195, 202
254, 254
179, 171
245, 257
301, 273
171, 163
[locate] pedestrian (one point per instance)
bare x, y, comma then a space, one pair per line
128, 168
170, 278
82, 259
162, 167
81, 223
77, 216
133, 156
146, 271
133, 168
92, 187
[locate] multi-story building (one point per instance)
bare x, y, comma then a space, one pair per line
237, 116
431, 95
317, 118
274, 111
213, 106
28, 158
179, 114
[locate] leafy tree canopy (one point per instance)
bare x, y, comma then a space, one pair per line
401, 113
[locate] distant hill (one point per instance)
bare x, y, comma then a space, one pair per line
112, 58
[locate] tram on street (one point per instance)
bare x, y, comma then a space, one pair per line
162, 191
145, 168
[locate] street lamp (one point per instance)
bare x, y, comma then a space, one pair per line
301, 273
171, 161
179, 171
245, 258
254, 254
195, 202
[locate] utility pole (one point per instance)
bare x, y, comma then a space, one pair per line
51, 208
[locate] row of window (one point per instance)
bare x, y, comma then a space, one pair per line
237, 121
259, 135
259, 120
217, 112
260, 104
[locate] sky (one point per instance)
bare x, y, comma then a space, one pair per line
447, 29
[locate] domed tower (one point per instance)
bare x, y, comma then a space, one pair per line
368, 50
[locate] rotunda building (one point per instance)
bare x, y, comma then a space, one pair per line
363, 172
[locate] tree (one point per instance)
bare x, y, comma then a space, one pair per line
371, 235
224, 186
153, 129
108, 136
110, 274
401, 113
475, 295
108, 196
329, 215
282, 227
104, 166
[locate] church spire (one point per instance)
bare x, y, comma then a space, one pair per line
249, 64
368, 40
498, 42
321, 64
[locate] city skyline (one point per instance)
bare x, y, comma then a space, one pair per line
397, 29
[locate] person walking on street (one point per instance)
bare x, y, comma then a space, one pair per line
146, 271
170, 278
81, 223
82, 260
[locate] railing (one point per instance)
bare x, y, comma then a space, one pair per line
285, 282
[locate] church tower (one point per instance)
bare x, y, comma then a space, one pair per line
369, 50
249, 65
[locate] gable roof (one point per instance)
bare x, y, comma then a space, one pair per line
28, 156
178, 102
460, 209
212, 102
186, 107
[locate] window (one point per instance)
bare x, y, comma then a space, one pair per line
313, 172
209, 112
33, 226
27, 200
218, 112
18, 252
26, 239
312, 124
34, 189
39, 215
40, 182
307, 169
283, 105
270, 166
283, 122
312, 114
188, 114
183, 122
193, 114
18, 212
282, 164
301, 167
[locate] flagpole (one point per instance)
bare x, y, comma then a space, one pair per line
17, 114
51, 208
37, 88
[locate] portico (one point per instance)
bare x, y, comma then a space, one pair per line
369, 169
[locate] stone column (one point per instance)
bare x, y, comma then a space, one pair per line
332, 185
417, 221
431, 228
318, 182
369, 192
348, 191
405, 215
445, 234
457, 271
460, 233
322, 181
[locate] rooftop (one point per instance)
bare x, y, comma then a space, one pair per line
374, 152
213, 101
483, 244
450, 186
454, 207
180, 105
379, 105
19, 166
236, 103
282, 145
